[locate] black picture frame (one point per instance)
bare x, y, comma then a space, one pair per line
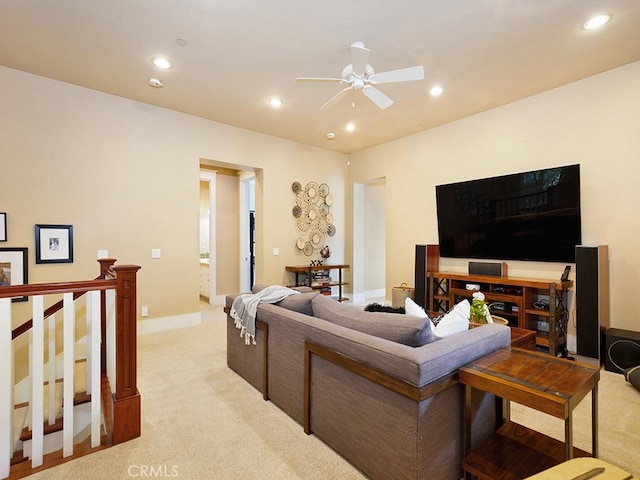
13, 268
3, 227
54, 243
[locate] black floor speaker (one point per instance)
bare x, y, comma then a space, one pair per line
592, 299
622, 350
427, 260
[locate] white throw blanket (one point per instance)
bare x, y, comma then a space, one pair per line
245, 307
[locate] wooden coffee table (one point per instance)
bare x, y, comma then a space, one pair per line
548, 384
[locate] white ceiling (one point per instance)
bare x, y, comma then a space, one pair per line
238, 53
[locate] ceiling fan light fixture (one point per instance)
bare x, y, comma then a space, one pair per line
275, 102
596, 22
435, 90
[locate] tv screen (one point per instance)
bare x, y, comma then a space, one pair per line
524, 216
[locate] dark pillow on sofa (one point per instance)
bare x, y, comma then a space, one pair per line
299, 303
632, 375
405, 329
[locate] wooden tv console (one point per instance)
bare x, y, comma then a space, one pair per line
516, 299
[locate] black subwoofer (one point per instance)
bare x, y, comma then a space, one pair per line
622, 349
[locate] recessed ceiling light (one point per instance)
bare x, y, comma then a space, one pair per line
161, 63
155, 83
275, 102
331, 135
181, 42
435, 90
350, 127
596, 22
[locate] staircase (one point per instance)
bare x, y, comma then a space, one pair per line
65, 407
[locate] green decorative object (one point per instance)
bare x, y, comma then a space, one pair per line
479, 311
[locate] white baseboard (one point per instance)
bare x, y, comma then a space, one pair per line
161, 324
363, 297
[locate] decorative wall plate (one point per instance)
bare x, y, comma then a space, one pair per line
296, 187
312, 191
308, 249
328, 200
324, 190
317, 239
300, 243
297, 211
332, 230
302, 225
329, 217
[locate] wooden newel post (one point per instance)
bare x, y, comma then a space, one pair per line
106, 265
126, 398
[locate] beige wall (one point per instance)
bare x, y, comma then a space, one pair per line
126, 176
593, 122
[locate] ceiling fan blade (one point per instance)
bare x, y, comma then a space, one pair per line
333, 100
319, 79
359, 58
403, 75
377, 97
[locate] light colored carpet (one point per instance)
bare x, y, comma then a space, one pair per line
202, 421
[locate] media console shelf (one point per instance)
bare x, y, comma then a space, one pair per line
532, 304
305, 276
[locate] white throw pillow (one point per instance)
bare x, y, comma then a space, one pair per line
455, 321
412, 308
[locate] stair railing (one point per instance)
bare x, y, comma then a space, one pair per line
111, 353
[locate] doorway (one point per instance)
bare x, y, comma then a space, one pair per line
369, 241
227, 230
247, 231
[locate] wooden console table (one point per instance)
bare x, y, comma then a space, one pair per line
308, 270
548, 384
518, 298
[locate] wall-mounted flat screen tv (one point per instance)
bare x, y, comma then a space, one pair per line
524, 216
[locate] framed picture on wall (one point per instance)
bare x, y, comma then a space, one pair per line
13, 269
3, 227
54, 243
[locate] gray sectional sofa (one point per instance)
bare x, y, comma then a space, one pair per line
392, 409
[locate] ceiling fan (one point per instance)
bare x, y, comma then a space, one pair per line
361, 76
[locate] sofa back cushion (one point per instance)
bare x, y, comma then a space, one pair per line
405, 329
299, 303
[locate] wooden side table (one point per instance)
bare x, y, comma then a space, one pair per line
523, 338
307, 271
548, 384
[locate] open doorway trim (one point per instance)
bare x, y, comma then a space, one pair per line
210, 177
246, 179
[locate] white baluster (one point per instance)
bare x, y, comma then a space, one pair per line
6, 387
94, 362
52, 369
88, 344
37, 382
69, 327
111, 338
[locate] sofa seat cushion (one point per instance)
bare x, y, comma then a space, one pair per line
405, 329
